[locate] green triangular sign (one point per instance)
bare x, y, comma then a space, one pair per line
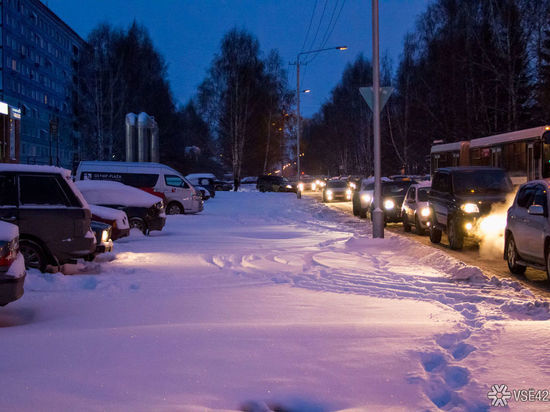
368, 95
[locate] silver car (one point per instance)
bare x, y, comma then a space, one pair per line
527, 235
415, 210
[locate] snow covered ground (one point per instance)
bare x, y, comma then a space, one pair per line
264, 301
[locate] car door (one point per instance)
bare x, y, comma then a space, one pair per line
440, 196
518, 219
47, 212
178, 189
535, 226
409, 203
8, 198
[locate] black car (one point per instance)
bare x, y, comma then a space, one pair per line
104, 243
53, 219
275, 184
337, 190
459, 196
393, 194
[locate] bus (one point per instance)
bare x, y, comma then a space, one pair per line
524, 154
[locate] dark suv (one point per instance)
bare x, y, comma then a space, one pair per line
53, 218
459, 196
274, 184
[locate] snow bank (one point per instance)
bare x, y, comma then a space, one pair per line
105, 192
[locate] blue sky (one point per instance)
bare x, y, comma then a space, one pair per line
188, 33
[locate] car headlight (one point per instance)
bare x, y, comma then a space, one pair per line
288, 186
329, 192
389, 204
317, 182
469, 208
104, 236
425, 211
366, 198
313, 186
348, 192
352, 185
322, 184
301, 187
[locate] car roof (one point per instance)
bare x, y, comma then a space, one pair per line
15, 167
467, 169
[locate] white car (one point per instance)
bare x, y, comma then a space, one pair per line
415, 210
527, 233
179, 194
12, 264
362, 198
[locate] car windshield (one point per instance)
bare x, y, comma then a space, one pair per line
423, 194
481, 181
337, 184
395, 189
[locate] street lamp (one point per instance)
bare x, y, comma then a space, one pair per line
299, 121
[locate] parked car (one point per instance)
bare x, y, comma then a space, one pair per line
415, 210
53, 217
222, 186
117, 219
104, 243
180, 195
274, 184
459, 196
337, 190
249, 180
12, 264
205, 193
393, 194
527, 233
145, 211
205, 180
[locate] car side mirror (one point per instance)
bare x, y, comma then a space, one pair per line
536, 210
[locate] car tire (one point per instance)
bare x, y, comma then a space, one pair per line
138, 223
406, 224
419, 230
456, 238
435, 233
174, 208
34, 255
512, 257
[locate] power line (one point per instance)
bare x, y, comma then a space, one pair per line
319, 25
309, 25
326, 39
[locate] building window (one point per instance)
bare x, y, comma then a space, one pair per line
14, 65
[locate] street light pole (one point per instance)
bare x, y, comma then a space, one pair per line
377, 214
299, 119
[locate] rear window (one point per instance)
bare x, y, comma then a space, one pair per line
41, 190
481, 181
337, 184
8, 191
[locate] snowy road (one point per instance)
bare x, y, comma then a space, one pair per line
266, 300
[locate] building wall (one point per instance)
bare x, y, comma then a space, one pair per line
39, 61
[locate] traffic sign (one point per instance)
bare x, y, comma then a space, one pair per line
368, 95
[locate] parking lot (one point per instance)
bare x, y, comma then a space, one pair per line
492, 264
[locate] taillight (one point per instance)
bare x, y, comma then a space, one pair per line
8, 253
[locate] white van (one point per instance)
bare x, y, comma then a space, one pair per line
178, 193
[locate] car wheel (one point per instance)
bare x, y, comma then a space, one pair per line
435, 233
418, 228
138, 223
512, 257
406, 224
174, 209
456, 238
34, 255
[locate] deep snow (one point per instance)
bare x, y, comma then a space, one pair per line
264, 299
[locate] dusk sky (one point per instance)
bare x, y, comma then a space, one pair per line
188, 33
